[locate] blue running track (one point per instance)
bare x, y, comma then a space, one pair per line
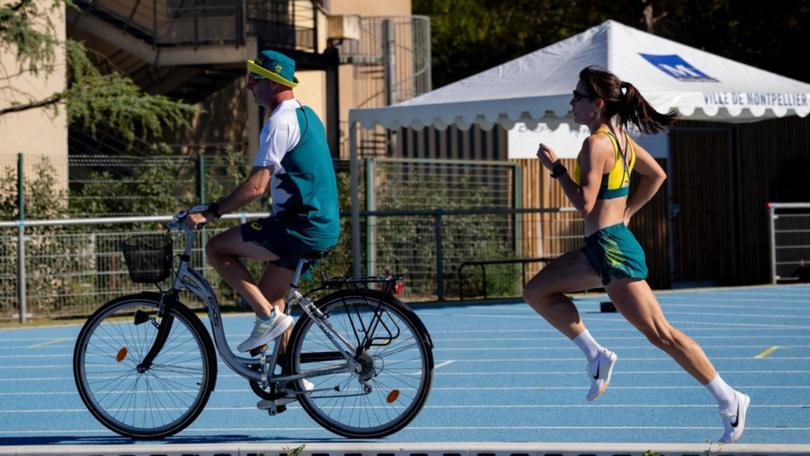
502, 375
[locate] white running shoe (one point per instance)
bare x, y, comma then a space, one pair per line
600, 371
265, 331
265, 404
734, 424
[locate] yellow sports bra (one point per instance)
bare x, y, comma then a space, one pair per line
616, 183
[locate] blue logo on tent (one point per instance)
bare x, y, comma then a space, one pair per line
677, 67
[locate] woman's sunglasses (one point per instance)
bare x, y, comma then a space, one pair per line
578, 96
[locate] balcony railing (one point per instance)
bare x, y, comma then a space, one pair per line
287, 24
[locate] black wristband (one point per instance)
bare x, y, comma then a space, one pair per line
213, 209
558, 169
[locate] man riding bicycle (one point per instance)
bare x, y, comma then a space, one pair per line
294, 159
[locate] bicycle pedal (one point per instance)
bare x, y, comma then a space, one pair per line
258, 350
273, 411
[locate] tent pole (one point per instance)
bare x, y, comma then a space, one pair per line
353, 163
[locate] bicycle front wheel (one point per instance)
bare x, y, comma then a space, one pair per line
394, 364
134, 401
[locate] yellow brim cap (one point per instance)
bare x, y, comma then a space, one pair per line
259, 70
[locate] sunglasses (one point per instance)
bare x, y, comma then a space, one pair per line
253, 79
578, 96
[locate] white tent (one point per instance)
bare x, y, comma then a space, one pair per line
700, 85
536, 88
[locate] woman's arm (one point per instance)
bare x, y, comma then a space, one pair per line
592, 159
652, 176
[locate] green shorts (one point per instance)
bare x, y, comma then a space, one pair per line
615, 253
275, 235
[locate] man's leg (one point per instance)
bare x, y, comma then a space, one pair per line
224, 251
274, 285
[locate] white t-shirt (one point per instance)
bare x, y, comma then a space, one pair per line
280, 134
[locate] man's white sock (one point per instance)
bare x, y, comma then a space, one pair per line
588, 345
723, 394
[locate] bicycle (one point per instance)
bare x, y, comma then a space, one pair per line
145, 365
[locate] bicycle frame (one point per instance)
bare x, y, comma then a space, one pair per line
189, 279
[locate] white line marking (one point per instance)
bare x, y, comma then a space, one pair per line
644, 372
446, 363
462, 406
50, 342
515, 389
416, 428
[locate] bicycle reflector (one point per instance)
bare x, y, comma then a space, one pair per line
122, 354
399, 287
392, 396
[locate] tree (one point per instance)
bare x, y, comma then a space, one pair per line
92, 98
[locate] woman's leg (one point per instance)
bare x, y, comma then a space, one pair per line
636, 301
544, 293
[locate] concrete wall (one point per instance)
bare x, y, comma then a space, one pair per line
369, 7
40, 132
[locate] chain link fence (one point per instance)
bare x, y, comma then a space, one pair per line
73, 266
422, 219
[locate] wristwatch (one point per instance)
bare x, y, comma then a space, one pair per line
558, 170
213, 209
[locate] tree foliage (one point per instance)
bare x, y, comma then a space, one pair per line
92, 98
470, 36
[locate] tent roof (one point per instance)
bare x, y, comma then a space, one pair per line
537, 86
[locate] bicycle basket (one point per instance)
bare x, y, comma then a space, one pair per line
148, 257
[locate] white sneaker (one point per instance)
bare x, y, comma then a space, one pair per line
600, 371
265, 331
734, 424
265, 404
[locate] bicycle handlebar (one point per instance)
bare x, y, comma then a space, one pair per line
177, 224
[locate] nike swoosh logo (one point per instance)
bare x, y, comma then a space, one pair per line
736, 417
596, 376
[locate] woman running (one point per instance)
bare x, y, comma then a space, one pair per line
599, 189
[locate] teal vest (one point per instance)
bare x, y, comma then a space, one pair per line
311, 214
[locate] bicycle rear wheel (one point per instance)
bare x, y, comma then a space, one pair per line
395, 355
143, 403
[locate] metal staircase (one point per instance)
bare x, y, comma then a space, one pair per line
184, 49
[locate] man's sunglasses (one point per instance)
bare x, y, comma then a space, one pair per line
253, 79
578, 96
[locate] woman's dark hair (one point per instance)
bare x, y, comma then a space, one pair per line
624, 100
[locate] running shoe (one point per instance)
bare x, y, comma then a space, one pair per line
599, 370
265, 404
734, 423
266, 331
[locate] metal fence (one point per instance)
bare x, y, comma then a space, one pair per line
62, 268
789, 227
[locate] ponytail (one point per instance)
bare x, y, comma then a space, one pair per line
634, 109
622, 99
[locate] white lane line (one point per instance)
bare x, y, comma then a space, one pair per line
50, 342
462, 406
446, 363
266, 429
716, 324
438, 341
515, 389
644, 372
738, 315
